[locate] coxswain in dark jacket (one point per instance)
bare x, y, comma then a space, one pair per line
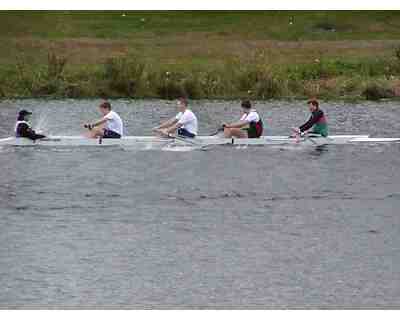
23, 128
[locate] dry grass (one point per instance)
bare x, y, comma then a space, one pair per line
207, 49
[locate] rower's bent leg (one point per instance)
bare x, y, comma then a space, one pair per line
158, 132
95, 133
235, 132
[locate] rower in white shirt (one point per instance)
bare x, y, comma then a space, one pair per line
184, 123
110, 126
250, 124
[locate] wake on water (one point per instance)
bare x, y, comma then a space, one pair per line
42, 124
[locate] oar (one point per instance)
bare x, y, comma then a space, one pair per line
220, 129
50, 139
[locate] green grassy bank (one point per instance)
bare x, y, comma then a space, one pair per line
259, 55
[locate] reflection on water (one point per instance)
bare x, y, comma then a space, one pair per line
319, 150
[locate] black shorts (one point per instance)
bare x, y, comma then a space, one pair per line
252, 134
184, 133
109, 134
252, 131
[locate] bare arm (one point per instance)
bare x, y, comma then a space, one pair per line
99, 122
173, 128
167, 123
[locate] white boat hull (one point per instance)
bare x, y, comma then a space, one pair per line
152, 141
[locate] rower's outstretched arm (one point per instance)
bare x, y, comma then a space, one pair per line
90, 126
174, 127
100, 122
313, 120
167, 123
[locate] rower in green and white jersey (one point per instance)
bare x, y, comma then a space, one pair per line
317, 123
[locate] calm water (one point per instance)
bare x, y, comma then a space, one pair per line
260, 227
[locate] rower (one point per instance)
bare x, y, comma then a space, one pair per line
250, 124
317, 121
23, 128
110, 126
185, 122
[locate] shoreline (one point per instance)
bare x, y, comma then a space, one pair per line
238, 99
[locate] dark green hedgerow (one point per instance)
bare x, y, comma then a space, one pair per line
124, 75
375, 91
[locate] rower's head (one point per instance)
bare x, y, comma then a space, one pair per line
246, 106
105, 108
313, 105
182, 104
24, 115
